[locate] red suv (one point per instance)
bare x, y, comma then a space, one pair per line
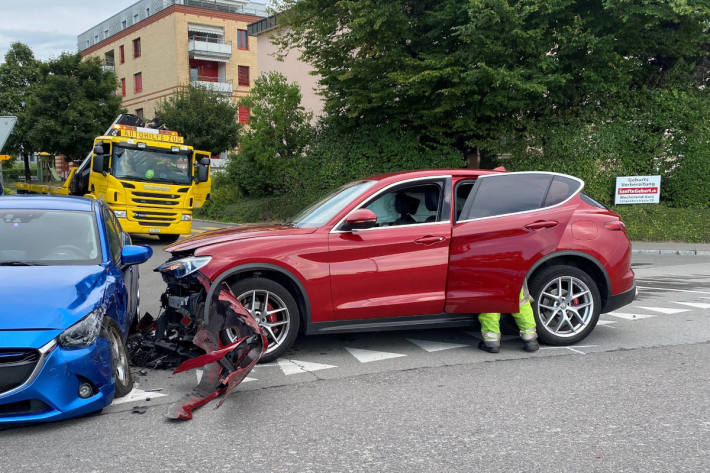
417, 249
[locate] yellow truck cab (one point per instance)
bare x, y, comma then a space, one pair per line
151, 180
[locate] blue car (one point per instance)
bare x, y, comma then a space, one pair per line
68, 296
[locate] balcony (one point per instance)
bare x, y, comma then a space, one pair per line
211, 83
209, 49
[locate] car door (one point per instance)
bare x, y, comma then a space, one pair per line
123, 297
200, 190
98, 182
399, 267
507, 223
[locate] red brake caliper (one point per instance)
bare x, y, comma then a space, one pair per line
271, 318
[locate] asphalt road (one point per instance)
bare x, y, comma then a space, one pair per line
632, 396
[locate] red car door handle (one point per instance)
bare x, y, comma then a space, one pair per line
429, 239
541, 224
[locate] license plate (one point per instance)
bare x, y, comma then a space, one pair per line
154, 230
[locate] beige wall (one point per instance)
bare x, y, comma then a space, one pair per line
164, 61
293, 69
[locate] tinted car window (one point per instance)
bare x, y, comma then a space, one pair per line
463, 190
560, 190
498, 195
114, 235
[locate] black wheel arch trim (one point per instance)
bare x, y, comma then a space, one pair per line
255, 267
562, 254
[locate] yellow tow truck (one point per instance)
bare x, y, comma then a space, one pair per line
151, 180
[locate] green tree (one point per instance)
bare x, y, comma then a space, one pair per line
470, 72
278, 134
206, 119
73, 102
17, 75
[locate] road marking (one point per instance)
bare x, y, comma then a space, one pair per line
290, 367
622, 315
367, 356
248, 379
664, 310
572, 349
431, 346
213, 228
137, 395
197, 231
697, 305
503, 338
198, 373
606, 322
669, 289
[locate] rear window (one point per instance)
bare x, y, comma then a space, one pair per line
517, 192
48, 237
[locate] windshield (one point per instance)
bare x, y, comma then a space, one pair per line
48, 237
322, 211
150, 165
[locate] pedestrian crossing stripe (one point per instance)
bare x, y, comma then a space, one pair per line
432, 346
623, 315
697, 305
368, 356
664, 310
290, 367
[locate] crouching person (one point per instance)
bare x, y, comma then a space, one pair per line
524, 319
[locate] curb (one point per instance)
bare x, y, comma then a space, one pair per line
672, 252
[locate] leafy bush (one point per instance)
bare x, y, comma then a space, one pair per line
652, 222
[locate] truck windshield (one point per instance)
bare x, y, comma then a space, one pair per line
150, 165
33, 237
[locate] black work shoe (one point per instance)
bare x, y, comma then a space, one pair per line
531, 345
490, 348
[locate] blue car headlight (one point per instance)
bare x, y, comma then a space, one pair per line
84, 332
184, 266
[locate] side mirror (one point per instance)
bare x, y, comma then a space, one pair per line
361, 219
97, 165
134, 254
205, 161
202, 173
99, 149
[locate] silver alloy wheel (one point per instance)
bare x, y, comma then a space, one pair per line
270, 312
565, 306
120, 360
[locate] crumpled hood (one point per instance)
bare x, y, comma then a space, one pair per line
236, 233
48, 297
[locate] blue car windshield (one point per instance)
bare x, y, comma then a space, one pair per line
48, 237
325, 209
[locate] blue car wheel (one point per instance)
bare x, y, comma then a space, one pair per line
122, 378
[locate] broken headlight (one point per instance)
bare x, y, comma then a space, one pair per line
180, 268
85, 331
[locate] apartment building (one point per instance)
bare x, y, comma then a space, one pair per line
292, 67
156, 47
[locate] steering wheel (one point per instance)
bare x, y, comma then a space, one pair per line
68, 251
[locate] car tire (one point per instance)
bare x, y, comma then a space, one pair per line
251, 294
122, 378
168, 238
563, 318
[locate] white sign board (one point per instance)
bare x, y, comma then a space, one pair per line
6, 126
638, 190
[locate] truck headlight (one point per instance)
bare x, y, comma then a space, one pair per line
186, 217
84, 332
120, 213
184, 266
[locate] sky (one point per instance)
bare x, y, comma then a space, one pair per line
50, 27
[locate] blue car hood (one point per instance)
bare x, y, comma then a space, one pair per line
48, 297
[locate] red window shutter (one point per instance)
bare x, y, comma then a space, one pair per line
137, 47
123, 87
244, 114
138, 82
123, 54
242, 39
243, 75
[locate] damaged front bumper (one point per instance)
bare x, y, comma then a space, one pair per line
200, 326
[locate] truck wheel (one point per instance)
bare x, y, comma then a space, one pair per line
274, 308
122, 378
566, 304
168, 238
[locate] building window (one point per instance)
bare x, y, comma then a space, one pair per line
244, 114
138, 82
122, 53
137, 47
242, 39
243, 75
106, 33
147, 11
135, 18
139, 112
123, 24
123, 87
